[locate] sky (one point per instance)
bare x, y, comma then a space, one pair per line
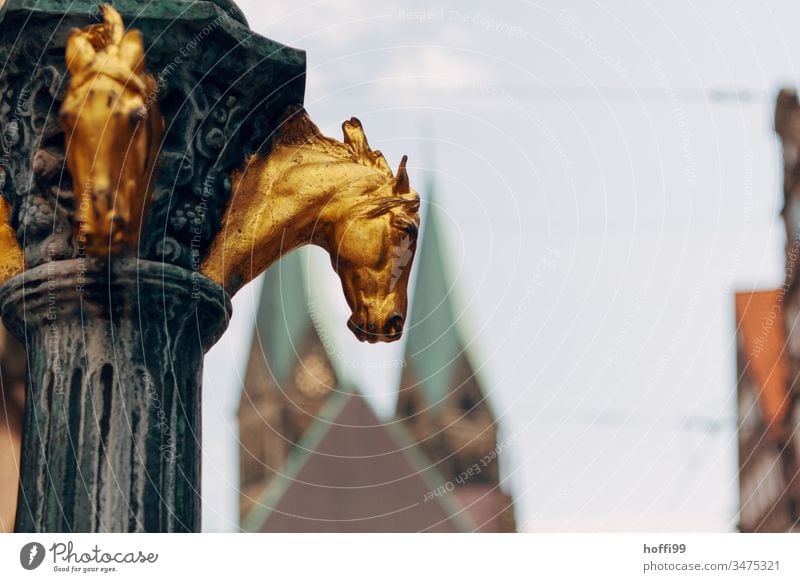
606, 176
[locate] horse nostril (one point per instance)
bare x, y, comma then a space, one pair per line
394, 324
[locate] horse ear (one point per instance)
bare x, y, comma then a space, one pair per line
131, 51
402, 184
112, 25
79, 53
354, 136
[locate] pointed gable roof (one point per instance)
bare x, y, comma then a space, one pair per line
352, 473
434, 349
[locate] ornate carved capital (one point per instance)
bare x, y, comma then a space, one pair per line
220, 89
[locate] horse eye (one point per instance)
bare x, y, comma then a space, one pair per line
411, 229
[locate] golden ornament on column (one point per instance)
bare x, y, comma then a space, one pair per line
113, 131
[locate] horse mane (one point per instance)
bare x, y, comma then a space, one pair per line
298, 130
374, 207
107, 34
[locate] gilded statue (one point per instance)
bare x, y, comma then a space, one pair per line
343, 197
113, 130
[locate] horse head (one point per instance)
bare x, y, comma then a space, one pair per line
112, 130
372, 250
312, 189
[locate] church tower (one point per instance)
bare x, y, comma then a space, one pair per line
441, 401
316, 458
289, 377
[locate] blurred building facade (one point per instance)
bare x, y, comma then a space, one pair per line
762, 410
316, 458
768, 333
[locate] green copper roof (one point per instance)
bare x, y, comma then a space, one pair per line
283, 322
434, 348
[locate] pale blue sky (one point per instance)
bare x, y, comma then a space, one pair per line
633, 141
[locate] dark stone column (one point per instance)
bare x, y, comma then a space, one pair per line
115, 353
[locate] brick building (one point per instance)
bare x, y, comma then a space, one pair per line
763, 407
768, 330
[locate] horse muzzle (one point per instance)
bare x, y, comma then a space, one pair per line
368, 330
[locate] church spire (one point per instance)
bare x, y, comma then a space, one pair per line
433, 346
441, 401
282, 320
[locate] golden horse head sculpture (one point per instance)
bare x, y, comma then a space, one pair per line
343, 197
113, 130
